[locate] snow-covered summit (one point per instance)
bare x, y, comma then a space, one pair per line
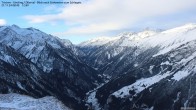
131, 39
142, 34
23, 31
30, 42
122, 37
183, 28
97, 41
150, 36
31, 35
66, 42
125, 34
146, 33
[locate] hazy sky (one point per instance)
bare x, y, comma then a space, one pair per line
95, 18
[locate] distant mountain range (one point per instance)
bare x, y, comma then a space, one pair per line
148, 70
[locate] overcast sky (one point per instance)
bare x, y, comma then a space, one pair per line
95, 18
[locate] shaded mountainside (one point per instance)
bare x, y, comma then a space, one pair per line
113, 57
127, 50
156, 73
172, 74
38, 64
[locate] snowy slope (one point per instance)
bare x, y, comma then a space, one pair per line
112, 51
170, 39
133, 44
167, 40
139, 85
140, 72
23, 102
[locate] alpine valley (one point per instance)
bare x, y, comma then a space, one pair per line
147, 70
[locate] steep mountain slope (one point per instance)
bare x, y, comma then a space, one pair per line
56, 69
108, 58
18, 74
156, 73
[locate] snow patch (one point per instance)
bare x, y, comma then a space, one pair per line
108, 55
93, 101
135, 65
20, 86
166, 63
180, 75
151, 108
178, 97
183, 61
150, 69
140, 85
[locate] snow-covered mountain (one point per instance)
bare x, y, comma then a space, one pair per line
105, 57
29, 41
38, 64
154, 72
100, 41
146, 70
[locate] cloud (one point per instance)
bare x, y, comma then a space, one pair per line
2, 22
97, 16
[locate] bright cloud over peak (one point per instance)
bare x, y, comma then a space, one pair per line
2, 22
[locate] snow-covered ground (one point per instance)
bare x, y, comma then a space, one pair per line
92, 100
14, 101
